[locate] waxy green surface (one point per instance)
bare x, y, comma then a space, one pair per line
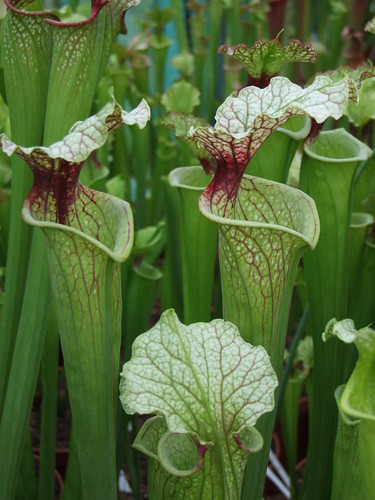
261, 241
327, 175
198, 244
347, 481
357, 400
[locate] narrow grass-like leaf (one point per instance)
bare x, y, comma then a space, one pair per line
25, 60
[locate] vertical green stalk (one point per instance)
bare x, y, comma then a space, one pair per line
165, 161
321, 11
49, 378
140, 300
46, 86
233, 23
159, 48
180, 25
142, 163
171, 295
363, 307
26, 74
284, 140
211, 67
337, 20
23, 376
260, 245
327, 172
289, 422
359, 227
198, 244
295, 372
346, 482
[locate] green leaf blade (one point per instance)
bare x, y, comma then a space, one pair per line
266, 57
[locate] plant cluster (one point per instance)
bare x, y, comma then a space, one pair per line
255, 227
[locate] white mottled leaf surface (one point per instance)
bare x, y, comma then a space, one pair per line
204, 378
84, 137
245, 121
281, 99
266, 57
206, 381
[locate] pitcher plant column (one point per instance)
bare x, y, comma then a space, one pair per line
327, 174
87, 235
264, 226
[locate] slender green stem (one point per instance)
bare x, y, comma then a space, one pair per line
326, 175
292, 352
49, 375
17, 262
180, 25
209, 90
140, 300
23, 376
171, 293
198, 238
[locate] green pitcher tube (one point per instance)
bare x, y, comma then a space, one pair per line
265, 163
87, 234
261, 241
171, 286
360, 224
91, 342
346, 483
198, 244
140, 300
362, 309
327, 172
356, 400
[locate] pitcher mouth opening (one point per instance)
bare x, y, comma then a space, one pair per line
124, 234
307, 230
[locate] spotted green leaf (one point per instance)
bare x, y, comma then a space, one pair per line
182, 97
266, 57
